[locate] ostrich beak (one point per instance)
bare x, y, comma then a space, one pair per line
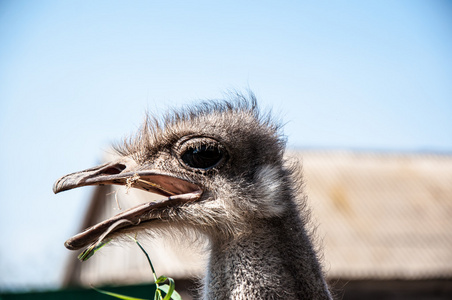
125, 172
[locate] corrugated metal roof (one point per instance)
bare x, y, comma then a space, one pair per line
378, 215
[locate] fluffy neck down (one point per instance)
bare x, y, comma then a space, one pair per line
275, 260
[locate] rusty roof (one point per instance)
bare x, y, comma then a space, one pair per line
382, 215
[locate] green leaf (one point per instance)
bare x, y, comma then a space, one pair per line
170, 290
161, 279
119, 296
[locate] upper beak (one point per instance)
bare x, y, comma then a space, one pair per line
125, 171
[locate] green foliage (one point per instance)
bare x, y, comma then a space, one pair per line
167, 289
116, 295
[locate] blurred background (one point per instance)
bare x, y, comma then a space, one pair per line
75, 76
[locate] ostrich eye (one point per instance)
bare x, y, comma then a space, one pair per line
203, 156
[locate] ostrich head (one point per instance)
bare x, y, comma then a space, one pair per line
218, 167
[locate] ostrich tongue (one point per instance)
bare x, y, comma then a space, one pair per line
97, 235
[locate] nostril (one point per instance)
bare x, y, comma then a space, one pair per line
113, 170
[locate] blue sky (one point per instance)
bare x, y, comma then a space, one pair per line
76, 76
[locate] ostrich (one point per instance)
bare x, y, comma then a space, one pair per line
220, 169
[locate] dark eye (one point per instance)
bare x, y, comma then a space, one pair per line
204, 156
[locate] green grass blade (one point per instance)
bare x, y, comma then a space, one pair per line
88, 252
169, 290
147, 256
157, 296
119, 296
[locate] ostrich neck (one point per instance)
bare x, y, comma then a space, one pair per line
273, 261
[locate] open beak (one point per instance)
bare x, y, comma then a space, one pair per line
126, 172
